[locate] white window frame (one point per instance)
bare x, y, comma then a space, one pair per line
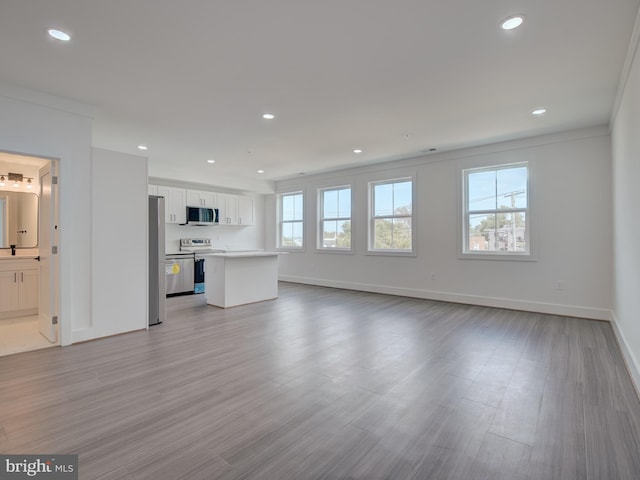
321, 219
467, 253
372, 218
282, 222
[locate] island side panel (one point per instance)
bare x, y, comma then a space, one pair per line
214, 282
238, 280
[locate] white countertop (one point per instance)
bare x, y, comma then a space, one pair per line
246, 253
18, 257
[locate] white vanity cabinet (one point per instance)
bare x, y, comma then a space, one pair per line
19, 287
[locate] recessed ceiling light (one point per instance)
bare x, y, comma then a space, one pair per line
260, 171
143, 147
357, 150
59, 35
211, 161
539, 111
514, 21
268, 116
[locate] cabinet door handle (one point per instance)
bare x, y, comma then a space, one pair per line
22, 277
15, 277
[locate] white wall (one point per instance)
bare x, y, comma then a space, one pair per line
40, 125
626, 216
37, 125
570, 205
119, 217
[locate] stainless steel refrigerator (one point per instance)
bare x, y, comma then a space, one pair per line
157, 274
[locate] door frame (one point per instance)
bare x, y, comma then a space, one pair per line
63, 328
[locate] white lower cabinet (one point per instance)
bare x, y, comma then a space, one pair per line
19, 288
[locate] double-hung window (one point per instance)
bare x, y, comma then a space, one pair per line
390, 217
496, 210
335, 219
291, 220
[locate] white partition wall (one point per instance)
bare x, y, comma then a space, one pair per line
626, 211
119, 244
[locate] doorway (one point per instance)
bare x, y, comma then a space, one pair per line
28, 268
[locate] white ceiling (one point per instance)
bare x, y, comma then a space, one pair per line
191, 79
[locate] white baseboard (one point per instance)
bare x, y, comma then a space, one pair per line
633, 366
527, 306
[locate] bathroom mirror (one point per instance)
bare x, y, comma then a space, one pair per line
18, 219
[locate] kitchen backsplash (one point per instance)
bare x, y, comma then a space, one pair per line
227, 238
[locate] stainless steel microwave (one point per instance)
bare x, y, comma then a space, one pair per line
202, 216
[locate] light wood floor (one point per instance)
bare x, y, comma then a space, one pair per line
332, 384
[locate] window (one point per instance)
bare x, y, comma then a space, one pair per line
335, 218
291, 215
496, 210
391, 203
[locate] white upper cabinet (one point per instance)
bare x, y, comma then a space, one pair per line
246, 210
228, 209
175, 204
232, 209
198, 198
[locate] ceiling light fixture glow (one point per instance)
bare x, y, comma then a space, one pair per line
357, 150
211, 161
143, 147
268, 116
59, 35
512, 22
260, 171
539, 111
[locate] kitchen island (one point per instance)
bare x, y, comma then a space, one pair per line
238, 278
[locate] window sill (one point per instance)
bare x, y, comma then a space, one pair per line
514, 257
290, 250
390, 253
338, 251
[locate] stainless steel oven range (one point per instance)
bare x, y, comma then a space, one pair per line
197, 246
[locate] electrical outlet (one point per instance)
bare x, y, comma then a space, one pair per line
559, 284
433, 275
